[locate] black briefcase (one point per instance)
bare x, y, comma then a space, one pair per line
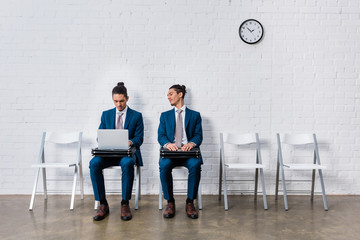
113, 152
194, 152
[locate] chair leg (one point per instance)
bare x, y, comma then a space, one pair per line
73, 189
44, 183
137, 188
256, 183
200, 197
225, 191
160, 196
313, 184
284, 188
81, 178
263, 188
220, 179
323, 190
34, 189
277, 181
313, 178
139, 183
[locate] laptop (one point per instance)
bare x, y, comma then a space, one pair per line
109, 139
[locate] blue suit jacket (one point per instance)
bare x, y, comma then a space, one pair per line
134, 124
193, 128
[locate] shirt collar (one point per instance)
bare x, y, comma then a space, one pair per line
182, 108
123, 111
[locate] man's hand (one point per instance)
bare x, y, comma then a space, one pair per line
188, 146
171, 147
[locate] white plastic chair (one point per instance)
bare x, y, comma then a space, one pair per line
199, 197
299, 139
57, 138
137, 181
241, 139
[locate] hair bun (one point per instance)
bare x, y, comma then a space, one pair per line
120, 84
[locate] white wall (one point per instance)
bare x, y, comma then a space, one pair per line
59, 61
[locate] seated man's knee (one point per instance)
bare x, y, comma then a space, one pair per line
95, 164
194, 165
165, 164
127, 162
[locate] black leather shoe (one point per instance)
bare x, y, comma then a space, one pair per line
191, 211
169, 211
125, 212
101, 213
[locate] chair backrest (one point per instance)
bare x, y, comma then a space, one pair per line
240, 139
63, 139
299, 139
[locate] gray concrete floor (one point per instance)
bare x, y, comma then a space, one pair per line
245, 219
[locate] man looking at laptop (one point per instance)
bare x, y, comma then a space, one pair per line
180, 129
120, 117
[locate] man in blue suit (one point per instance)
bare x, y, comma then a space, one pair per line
120, 117
180, 129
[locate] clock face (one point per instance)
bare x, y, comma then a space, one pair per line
251, 31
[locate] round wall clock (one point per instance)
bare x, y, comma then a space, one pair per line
251, 31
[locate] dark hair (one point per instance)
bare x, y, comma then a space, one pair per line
120, 89
178, 89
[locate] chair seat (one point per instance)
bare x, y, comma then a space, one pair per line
53, 165
114, 167
303, 166
244, 165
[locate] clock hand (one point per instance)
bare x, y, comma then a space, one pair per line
250, 29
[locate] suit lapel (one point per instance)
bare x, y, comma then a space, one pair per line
172, 124
112, 118
187, 118
128, 118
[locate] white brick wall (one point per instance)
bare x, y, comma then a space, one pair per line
60, 59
